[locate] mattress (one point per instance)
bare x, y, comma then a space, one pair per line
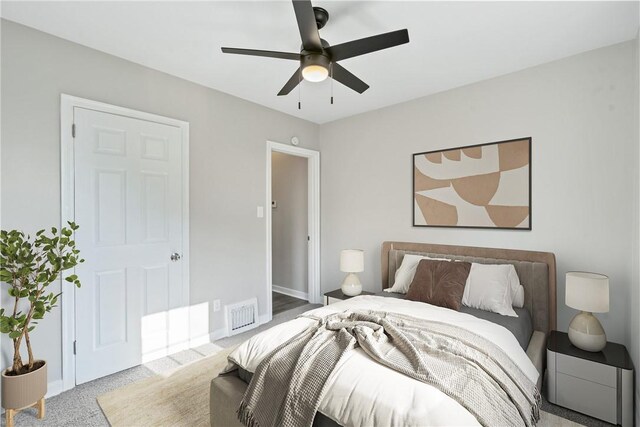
521, 327
363, 392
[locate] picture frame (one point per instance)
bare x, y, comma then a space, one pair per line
486, 186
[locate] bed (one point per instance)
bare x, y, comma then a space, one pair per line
537, 274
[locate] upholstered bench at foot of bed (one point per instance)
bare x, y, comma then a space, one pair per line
224, 399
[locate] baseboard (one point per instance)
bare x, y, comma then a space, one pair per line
54, 388
290, 292
217, 334
265, 318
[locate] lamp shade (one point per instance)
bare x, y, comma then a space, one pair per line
587, 292
352, 260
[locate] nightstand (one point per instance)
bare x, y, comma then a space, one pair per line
337, 296
597, 384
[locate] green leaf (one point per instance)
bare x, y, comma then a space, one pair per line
30, 264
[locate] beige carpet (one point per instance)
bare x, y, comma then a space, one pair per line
181, 398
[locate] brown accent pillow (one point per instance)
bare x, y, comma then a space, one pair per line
439, 283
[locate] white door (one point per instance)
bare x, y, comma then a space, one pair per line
128, 204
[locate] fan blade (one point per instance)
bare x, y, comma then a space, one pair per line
342, 75
307, 25
368, 45
267, 53
290, 84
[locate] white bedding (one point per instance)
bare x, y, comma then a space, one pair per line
361, 392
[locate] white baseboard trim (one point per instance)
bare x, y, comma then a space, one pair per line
265, 318
54, 388
290, 292
217, 334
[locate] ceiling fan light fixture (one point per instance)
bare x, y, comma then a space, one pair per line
319, 60
315, 67
315, 73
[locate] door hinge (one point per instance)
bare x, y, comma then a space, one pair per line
74, 347
73, 130
308, 238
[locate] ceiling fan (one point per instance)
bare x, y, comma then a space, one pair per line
319, 60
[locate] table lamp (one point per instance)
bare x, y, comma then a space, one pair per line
352, 262
589, 293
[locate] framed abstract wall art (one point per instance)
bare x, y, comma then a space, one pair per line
479, 186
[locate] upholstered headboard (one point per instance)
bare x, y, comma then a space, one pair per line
536, 270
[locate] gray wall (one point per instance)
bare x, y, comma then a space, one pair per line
580, 113
289, 221
227, 160
634, 301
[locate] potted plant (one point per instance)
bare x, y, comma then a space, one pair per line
29, 265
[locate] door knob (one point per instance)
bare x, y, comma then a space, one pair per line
175, 257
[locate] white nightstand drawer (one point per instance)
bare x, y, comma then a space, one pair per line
587, 397
332, 300
591, 371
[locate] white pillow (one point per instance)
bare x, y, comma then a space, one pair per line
404, 275
517, 290
488, 288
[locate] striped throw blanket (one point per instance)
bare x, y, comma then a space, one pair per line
288, 384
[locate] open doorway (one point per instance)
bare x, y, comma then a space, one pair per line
289, 232
293, 212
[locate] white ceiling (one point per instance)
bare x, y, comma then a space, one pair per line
452, 43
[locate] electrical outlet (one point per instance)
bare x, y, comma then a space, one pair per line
216, 305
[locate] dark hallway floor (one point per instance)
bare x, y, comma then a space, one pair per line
283, 302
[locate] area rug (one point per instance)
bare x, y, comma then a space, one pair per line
181, 398
176, 398
551, 420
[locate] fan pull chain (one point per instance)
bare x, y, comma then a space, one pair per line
299, 88
331, 71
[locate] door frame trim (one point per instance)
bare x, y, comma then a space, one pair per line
313, 195
67, 197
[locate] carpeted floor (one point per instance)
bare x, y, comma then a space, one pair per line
79, 407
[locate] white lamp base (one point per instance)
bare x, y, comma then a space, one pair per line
351, 285
586, 332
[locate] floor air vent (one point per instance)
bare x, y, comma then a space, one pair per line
241, 316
